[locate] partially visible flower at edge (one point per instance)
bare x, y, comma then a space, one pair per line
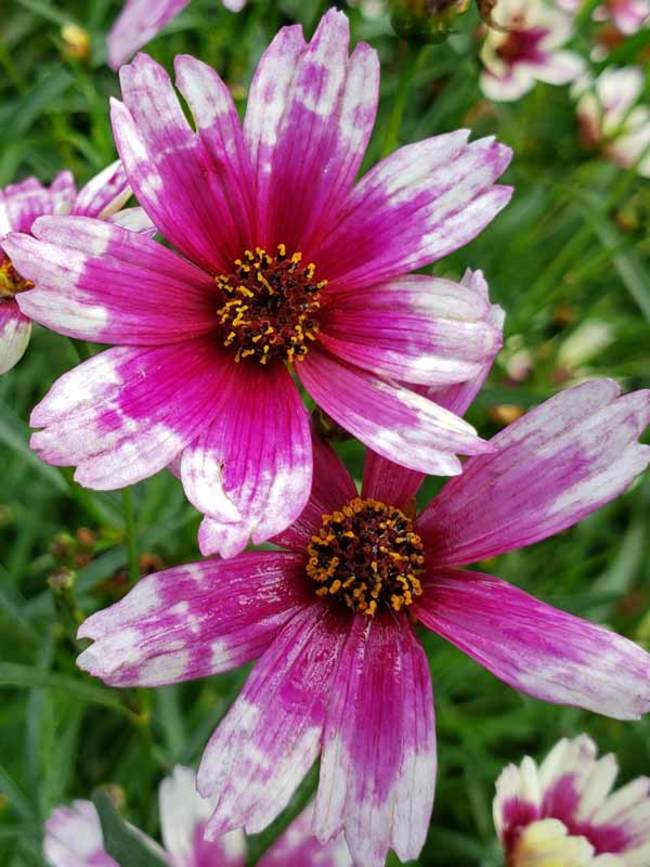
563, 811
330, 620
288, 268
73, 835
612, 119
526, 47
628, 16
21, 204
141, 20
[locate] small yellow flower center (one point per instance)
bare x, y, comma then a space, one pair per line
269, 306
11, 283
367, 556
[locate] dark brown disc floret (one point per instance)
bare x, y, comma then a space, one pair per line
368, 557
270, 306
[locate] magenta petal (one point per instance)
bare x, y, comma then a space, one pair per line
184, 188
271, 736
183, 816
378, 767
416, 329
21, 203
193, 621
138, 23
104, 194
390, 483
97, 281
441, 194
392, 420
550, 469
126, 413
73, 838
297, 847
310, 114
331, 489
535, 648
250, 470
15, 331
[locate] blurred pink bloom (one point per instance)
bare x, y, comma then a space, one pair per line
141, 20
628, 16
20, 205
330, 619
73, 835
528, 49
563, 811
613, 119
283, 259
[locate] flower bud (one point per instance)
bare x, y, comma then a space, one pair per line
425, 20
76, 41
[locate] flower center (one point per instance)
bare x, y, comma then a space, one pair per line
367, 556
270, 303
522, 46
11, 283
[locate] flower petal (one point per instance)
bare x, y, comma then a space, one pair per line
417, 329
15, 331
104, 194
535, 648
310, 113
124, 414
195, 620
378, 767
21, 203
138, 23
183, 816
100, 282
298, 847
271, 736
441, 194
386, 481
184, 187
332, 488
135, 220
73, 838
392, 420
250, 470
550, 469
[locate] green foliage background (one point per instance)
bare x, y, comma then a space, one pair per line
572, 247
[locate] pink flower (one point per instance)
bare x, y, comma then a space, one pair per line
330, 620
283, 260
20, 205
141, 20
73, 835
628, 16
527, 49
613, 119
563, 812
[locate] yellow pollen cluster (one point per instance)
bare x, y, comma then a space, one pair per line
11, 283
269, 306
368, 556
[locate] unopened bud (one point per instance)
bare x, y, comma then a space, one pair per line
61, 580
425, 20
76, 41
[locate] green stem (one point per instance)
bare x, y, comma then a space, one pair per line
410, 55
131, 538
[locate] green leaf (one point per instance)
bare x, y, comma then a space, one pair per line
14, 674
126, 844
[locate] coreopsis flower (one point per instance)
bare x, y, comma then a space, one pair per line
73, 835
613, 120
285, 267
330, 618
563, 811
525, 46
141, 20
20, 204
